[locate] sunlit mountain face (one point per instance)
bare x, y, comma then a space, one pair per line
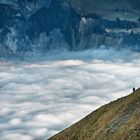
60, 60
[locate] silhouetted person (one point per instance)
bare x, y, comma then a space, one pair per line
134, 89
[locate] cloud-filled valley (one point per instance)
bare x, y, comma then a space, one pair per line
40, 98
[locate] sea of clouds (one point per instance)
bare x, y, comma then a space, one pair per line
40, 97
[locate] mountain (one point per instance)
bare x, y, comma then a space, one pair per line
30, 27
118, 120
102, 6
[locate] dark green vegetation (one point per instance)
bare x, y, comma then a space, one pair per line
119, 120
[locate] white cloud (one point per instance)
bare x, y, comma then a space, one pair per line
15, 136
15, 122
41, 97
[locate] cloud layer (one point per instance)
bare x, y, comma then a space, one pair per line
40, 98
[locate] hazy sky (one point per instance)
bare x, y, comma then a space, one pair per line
40, 98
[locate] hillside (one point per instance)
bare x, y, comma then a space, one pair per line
119, 120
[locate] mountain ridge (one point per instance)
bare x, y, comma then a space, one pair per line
117, 120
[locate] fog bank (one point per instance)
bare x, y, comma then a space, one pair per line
40, 97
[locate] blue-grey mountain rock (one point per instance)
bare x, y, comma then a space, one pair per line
28, 27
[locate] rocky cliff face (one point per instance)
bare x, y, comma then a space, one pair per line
31, 26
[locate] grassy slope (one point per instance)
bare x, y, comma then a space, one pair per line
119, 120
